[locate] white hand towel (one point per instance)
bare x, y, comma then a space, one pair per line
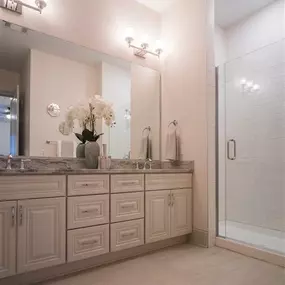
173, 145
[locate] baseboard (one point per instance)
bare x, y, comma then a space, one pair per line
200, 238
75, 267
271, 257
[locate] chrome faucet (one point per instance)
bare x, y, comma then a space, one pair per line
9, 160
148, 161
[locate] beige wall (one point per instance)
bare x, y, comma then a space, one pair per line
61, 81
9, 80
99, 25
145, 102
184, 92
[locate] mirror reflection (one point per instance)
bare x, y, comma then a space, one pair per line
51, 91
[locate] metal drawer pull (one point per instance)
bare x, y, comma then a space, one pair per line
128, 206
172, 199
129, 234
89, 210
169, 200
13, 215
88, 241
21, 215
128, 183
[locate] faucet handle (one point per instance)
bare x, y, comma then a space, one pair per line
137, 165
10, 156
22, 167
150, 163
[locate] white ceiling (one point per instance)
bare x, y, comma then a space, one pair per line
157, 5
227, 12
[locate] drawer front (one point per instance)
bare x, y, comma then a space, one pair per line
127, 206
127, 183
127, 235
88, 184
29, 186
86, 243
168, 181
87, 211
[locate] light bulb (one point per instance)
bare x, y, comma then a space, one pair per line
144, 41
159, 47
243, 81
249, 84
41, 4
130, 32
256, 87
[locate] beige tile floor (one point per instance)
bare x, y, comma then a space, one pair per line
182, 265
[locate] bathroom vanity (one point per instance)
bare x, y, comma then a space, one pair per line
51, 222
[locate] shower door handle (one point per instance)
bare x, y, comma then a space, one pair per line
232, 141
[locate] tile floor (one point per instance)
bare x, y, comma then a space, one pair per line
182, 265
259, 237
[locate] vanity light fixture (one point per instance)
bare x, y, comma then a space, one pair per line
142, 50
17, 5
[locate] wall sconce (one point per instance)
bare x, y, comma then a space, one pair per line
249, 86
142, 50
17, 5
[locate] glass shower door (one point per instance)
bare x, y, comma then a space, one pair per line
255, 148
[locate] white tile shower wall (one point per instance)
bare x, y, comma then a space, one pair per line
63, 82
261, 29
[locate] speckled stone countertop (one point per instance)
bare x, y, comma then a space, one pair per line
64, 166
4, 172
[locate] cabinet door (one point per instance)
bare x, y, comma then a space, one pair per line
7, 238
41, 233
157, 216
181, 213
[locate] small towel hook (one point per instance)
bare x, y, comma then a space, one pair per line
175, 123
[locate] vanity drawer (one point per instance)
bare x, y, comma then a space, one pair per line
127, 235
88, 184
168, 181
87, 211
87, 242
127, 183
32, 186
127, 206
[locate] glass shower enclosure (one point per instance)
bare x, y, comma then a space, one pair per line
251, 148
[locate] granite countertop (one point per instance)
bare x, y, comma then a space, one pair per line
4, 172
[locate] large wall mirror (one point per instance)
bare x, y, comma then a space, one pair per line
42, 78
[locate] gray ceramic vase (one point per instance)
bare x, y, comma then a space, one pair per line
92, 153
80, 150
